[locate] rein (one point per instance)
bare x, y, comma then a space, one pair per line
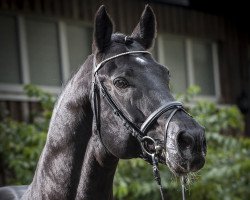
138, 132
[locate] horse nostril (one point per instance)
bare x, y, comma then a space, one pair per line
185, 141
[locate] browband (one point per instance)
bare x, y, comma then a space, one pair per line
99, 66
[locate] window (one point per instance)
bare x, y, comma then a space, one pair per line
203, 67
9, 58
43, 52
79, 45
40, 51
172, 55
191, 62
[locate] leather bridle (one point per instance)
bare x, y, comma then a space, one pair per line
138, 132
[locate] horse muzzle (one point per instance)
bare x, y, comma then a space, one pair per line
186, 150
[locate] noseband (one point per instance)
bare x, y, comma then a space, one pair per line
138, 132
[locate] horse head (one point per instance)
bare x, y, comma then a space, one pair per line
138, 115
134, 115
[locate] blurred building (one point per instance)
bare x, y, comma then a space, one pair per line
202, 42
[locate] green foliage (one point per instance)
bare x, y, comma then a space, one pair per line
226, 174
223, 119
20, 148
46, 100
21, 143
134, 180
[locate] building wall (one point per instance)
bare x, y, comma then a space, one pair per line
233, 41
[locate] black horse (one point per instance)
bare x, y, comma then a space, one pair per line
117, 106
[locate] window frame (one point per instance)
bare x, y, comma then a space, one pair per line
188, 42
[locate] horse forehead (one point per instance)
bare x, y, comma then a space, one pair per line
139, 64
133, 63
148, 65
141, 60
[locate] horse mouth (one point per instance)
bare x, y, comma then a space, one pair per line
177, 164
174, 167
177, 170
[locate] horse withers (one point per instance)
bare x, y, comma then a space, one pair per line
117, 106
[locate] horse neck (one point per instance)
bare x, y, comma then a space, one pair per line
59, 167
97, 172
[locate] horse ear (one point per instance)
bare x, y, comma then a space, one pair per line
103, 29
145, 31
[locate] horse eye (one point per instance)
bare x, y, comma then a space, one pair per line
120, 82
